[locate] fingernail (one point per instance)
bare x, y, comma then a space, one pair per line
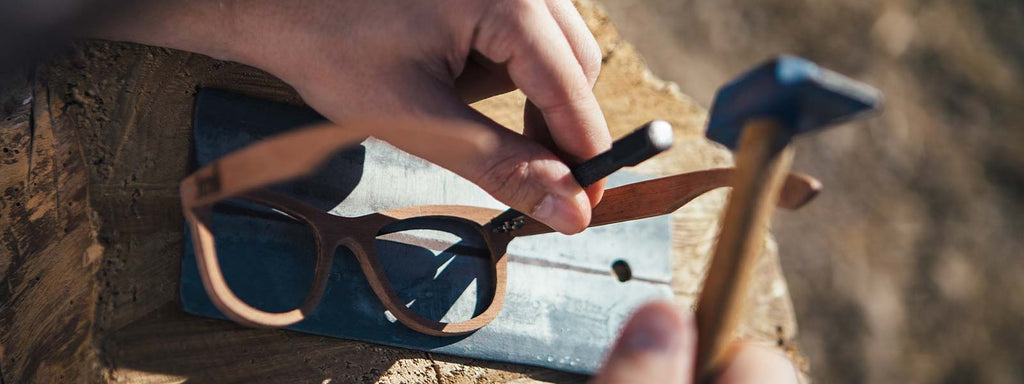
652, 330
558, 212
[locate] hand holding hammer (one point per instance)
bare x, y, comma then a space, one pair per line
757, 115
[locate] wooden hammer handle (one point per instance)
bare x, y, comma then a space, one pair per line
761, 168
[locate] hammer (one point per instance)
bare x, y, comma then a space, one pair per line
757, 115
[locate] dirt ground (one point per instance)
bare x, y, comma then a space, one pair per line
908, 268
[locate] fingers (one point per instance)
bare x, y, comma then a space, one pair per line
535, 128
657, 345
755, 363
584, 45
525, 36
588, 55
514, 169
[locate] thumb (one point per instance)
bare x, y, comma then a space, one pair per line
657, 345
510, 167
759, 363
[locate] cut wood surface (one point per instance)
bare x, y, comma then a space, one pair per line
92, 148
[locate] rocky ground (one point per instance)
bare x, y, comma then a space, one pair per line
908, 268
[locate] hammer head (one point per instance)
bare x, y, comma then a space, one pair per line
795, 92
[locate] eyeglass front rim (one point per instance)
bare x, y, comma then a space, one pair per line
236, 309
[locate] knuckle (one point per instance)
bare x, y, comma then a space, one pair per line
590, 57
505, 25
569, 100
509, 179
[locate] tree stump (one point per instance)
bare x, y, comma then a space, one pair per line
92, 147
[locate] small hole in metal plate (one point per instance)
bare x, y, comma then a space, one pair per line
622, 271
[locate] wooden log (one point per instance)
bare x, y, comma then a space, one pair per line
91, 232
49, 254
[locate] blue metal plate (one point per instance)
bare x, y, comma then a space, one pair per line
564, 305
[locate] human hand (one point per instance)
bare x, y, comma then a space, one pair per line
659, 345
423, 58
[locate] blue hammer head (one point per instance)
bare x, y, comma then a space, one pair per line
796, 93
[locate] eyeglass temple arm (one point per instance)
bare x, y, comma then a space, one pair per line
299, 152
273, 160
665, 195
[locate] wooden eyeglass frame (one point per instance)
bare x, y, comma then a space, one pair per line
242, 174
